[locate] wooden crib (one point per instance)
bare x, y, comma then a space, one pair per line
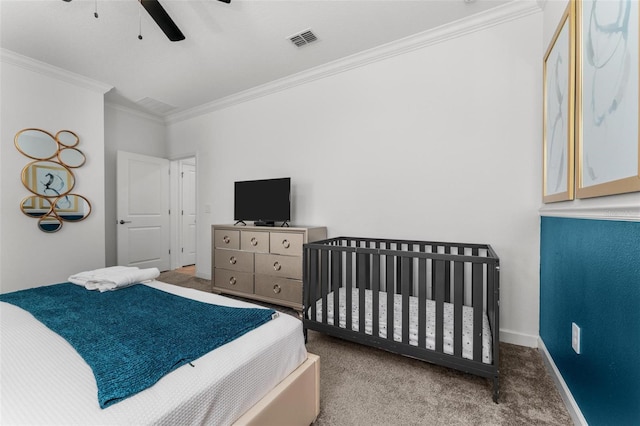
445, 299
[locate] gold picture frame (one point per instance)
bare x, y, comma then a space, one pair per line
559, 112
607, 97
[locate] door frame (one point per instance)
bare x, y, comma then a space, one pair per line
175, 191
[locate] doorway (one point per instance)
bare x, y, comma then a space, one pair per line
183, 203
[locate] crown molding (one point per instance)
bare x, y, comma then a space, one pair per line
10, 57
508, 12
133, 111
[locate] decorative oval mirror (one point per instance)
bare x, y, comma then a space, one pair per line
72, 207
67, 138
36, 144
49, 224
47, 178
35, 206
71, 157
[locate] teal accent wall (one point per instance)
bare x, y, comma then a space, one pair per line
590, 275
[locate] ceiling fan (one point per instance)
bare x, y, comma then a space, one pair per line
162, 18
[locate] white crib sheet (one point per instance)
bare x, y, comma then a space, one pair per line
45, 381
467, 322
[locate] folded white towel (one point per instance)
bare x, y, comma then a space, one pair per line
114, 277
81, 278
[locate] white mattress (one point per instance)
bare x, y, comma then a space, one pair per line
467, 321
44, 381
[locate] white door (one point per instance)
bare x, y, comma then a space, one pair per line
143, 211
188, 213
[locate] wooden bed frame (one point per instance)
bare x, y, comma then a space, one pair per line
294, 401
458, 274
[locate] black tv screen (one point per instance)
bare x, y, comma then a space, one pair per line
266, 200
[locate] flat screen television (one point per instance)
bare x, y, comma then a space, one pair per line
264, 201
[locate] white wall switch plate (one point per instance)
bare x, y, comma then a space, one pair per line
575, 337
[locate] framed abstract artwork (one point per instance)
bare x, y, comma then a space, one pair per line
607, 81
558, 113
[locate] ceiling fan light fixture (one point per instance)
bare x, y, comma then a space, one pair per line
160, 16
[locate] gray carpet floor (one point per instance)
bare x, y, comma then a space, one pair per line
366, 386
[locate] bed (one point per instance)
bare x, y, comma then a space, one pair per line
434, 301
263, 377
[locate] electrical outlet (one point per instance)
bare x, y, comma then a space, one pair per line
575, 337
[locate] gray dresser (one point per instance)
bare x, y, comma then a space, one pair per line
261, 263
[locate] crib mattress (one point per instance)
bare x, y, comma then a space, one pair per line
467, 321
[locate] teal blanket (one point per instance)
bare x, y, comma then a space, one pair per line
133, 336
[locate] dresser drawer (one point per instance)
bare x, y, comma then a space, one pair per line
279, 266
234, 259
257, 242
233, 280
286, 243
279, 288
226, 239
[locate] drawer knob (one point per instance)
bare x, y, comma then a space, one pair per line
277, 266
226, 239
277, 289
286, 243
254, 241
232, 260
232, 280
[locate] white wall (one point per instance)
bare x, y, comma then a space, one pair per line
131, 131
439, 143
37, 95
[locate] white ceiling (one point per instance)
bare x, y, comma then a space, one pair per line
228, 48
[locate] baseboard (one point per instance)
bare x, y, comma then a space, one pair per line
567, 397
520, 339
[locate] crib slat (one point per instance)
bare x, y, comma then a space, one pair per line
422, 302
458, 301
447, 276
477, 284
438, 267
313, 283
347, 289
336, 283
362, 275
390, 293
405, 293
375, 292
324, 282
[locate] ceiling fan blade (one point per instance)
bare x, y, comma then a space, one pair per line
162, 18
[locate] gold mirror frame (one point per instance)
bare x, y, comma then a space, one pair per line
49, 223
30, 141
67, 138
71, 157
50, 178
71, 208
35, 206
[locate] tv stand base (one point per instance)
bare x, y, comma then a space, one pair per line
264, 223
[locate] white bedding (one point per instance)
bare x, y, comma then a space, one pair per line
467, 321
44, 381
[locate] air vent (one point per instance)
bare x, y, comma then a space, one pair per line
156, 106
303, 38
